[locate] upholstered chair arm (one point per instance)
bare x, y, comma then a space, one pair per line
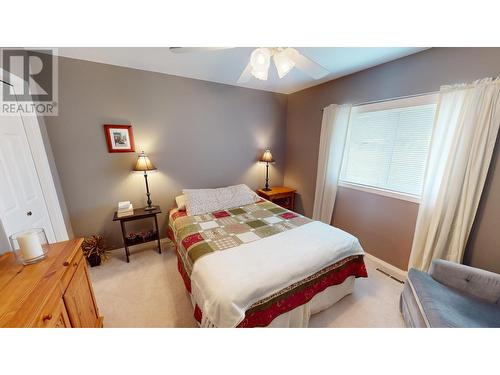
473, 281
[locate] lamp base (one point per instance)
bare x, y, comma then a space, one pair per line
266, 189
150, 208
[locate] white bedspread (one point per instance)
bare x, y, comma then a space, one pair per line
226, 283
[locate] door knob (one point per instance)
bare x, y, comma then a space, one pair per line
29, 213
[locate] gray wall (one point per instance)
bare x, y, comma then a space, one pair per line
385, 226
199, 135
483, 250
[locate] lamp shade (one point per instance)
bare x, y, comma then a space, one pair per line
267, 157
143, 163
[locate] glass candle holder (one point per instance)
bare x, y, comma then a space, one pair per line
29, 246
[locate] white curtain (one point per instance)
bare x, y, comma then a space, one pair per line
462, 143
331, 150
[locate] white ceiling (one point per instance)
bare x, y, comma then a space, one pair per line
226, 65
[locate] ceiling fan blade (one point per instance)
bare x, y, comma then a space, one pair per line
309, 67
246, 75
180, 50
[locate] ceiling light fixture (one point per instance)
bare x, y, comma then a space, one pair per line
285, 59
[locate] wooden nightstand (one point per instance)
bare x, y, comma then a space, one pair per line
280, 195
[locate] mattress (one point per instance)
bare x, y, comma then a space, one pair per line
199, 236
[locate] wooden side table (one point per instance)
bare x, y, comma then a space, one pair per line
138, 214
280, 195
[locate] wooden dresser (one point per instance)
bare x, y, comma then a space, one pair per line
54, 293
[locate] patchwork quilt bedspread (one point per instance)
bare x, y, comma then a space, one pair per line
200, 235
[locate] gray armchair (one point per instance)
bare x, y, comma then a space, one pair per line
451, 295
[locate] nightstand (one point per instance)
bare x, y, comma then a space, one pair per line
139, 214
280, 195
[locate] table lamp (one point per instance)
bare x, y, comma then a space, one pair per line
144, 165
267, 158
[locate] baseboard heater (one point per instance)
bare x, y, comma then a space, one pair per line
389, 275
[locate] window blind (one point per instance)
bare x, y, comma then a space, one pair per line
387, 145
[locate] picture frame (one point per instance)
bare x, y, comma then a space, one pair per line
119, 138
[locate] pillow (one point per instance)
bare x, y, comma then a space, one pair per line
181, 202
202, 201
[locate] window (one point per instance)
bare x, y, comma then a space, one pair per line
387, 145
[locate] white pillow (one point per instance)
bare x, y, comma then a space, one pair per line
181, 202
202, 201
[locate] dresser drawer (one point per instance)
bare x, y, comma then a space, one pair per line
53, 314
71, 266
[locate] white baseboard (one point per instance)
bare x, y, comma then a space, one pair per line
389, 268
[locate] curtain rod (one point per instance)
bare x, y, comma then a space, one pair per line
389, 99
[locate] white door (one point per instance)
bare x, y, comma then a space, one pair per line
22, 205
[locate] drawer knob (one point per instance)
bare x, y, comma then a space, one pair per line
47, 317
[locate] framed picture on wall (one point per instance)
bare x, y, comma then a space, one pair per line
119, 138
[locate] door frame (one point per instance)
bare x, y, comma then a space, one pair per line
31, 125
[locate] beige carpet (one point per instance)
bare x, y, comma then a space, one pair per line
148, 292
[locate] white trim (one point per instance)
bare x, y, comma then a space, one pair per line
397, 103
377, 101
389, 268
384, 192
42, 166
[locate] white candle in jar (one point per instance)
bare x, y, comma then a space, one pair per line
29, 244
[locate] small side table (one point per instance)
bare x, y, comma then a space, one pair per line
138, 214
280, 195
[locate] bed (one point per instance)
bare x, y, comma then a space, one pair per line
260, 265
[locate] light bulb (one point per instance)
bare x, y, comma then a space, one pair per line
260, 57
260, 60
284, 61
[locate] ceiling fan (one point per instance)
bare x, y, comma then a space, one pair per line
285, 59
